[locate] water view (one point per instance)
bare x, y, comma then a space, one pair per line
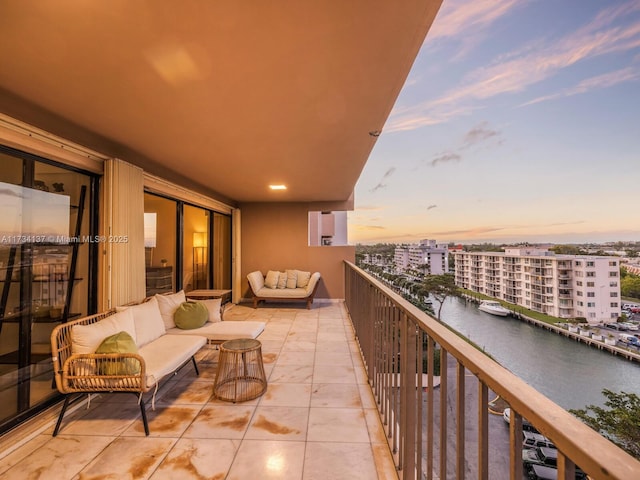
570, 373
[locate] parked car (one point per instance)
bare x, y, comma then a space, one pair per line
542, 472
616, 326
544, 456
631, 326
526, 425
629, 339
533, 440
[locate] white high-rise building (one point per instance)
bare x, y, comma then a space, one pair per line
564, 286
427, 257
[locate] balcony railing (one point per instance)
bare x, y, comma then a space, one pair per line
398, 341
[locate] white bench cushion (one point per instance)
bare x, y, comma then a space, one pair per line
168, 352
223, 331
87, 338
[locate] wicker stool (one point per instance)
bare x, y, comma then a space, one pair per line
240, 375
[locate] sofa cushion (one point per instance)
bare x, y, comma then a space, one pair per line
283, 293
87, 338
147, 321
282, 280
292, 278
256, 280
271, 280
158, 363
121, 342
191, 315
303, 279
168, 305
222, 331
213, 305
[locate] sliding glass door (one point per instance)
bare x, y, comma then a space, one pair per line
187, 247
47, 272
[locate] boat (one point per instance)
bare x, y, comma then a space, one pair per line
494, 308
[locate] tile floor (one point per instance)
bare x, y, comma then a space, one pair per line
317, 419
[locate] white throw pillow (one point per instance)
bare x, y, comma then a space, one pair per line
148, 322
87, 338
271, 280
292, 278
303, 279
168, 304
213, 305
282, 280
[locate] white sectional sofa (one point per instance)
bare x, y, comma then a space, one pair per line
289, 285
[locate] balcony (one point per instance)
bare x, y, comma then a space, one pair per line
318, 416
344, 400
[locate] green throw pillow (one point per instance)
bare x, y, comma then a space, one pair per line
191, 315
119, 343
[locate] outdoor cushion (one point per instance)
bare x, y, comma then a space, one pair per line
87, 338
158, 363
213, 306
292, 278
168, 305
191, 315
121, 342
147, 321
222, 331
271, 280
303, 279
282, 280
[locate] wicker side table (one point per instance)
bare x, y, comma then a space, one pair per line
240, 375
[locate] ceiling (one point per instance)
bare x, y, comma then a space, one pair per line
225, 96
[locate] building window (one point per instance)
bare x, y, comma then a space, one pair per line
580, 303
578, 273
614, 315
614, 304
591, 294
591, 284
592, 315
591, 264
591, 304
613, 264
578, 263
613, 294
579, 283
591, 274
613, 274
613, 284
579, 293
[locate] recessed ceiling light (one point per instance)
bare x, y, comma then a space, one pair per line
278, 187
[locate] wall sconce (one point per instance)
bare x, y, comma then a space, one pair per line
199, 260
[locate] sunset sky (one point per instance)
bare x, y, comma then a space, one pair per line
520, 121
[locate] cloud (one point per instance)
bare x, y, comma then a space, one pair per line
478, 134
466, 21
473, 138
517, 70
364, 228
606, 80
381, 184
445, 158
431, 207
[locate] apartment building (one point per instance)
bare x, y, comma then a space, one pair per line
426, 257
564, 286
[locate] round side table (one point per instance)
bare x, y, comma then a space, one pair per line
240, 375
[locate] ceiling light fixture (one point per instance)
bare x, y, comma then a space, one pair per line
278, 187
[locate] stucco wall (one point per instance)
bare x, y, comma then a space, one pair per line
275, 237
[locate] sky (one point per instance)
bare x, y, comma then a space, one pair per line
519, 122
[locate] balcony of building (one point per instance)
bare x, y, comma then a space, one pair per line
347, 397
